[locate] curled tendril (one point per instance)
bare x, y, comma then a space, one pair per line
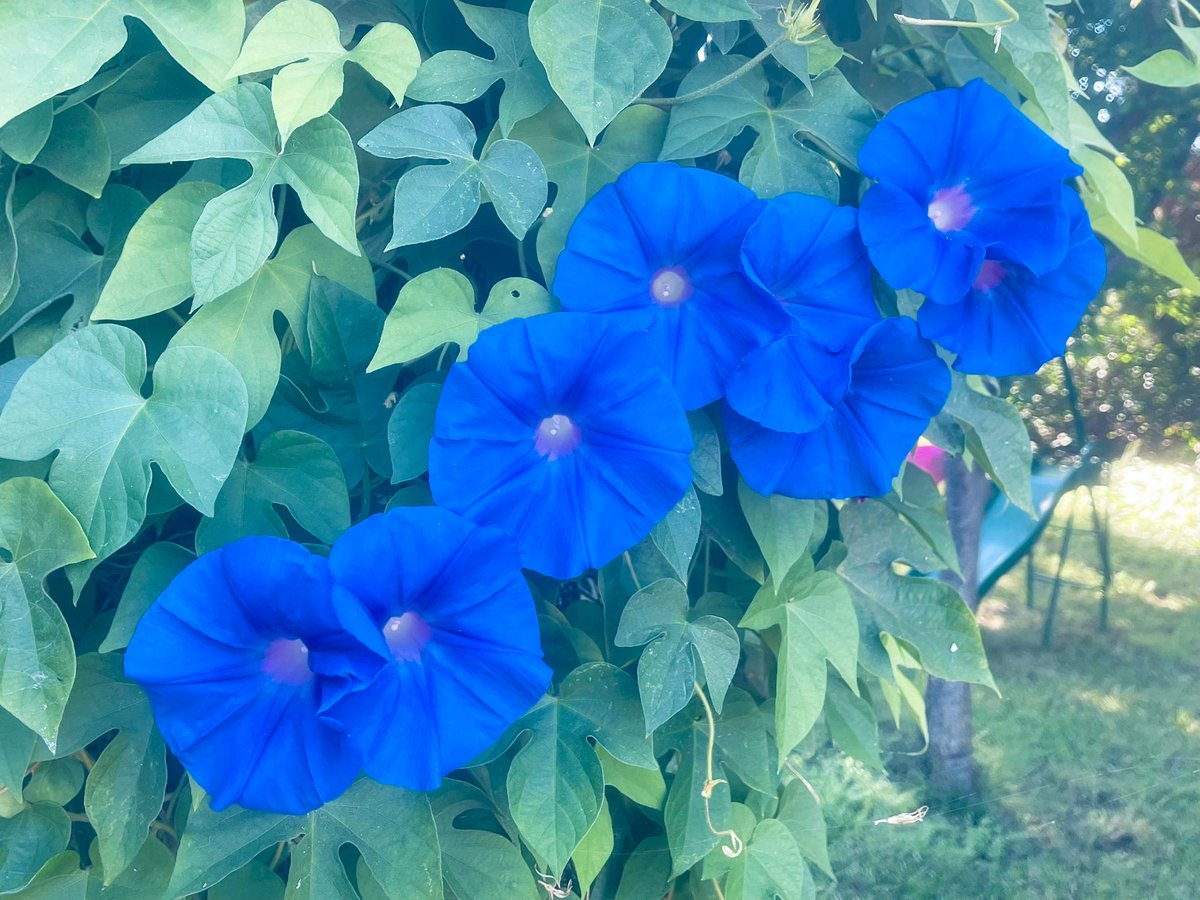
799, 23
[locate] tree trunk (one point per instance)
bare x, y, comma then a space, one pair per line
948, 703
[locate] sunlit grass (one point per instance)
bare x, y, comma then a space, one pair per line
1090, 762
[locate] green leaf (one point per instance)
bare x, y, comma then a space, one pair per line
145, 878
255, 881
404, 860
17, 744
579, 167
689, 835
1109, 187
57, 781
852, 724
724, 522
555, 782
28, 840
124, 790
190, 427
594, 850
800, 812
659, 616
599, 56
647, 872
154, 570
434, 201
77, 150
712, 10
997, 438
1151, 249
145, 100
24, 137
783, 527
458, 77
154, 271
303, 37
742, 741
793, 57
924, 508
8, 234
643, 786
63, 43
438, 307
706, 454
240, 325
1168, 68
677, 534
926, 613
336, 399
37, 659
59, 879
55, 261
291, 469
237, 230
411, 428
770, 867
833, 116
817, 622
477, 865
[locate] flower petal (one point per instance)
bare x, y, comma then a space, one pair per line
477, 665
1014, 326
248, 735
897, 384
686, 225
1003, 174
628, 468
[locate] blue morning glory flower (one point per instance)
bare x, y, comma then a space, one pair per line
232, 656
1011, 321
563, 431
961, 172
897, 384
807, 253
659, 249
441, 604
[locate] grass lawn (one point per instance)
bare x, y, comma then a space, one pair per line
1090, 761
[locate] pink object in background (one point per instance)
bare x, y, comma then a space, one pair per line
930, 458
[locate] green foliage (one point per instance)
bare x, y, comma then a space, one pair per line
434, 201
277, 368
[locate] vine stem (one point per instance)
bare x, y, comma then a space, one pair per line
736, 845
1190, 8
637, 582
1010, 18
720, 82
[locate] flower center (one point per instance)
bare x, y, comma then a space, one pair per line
406, 636
991, 273
951, 209
556, 436
670, 286
286, 661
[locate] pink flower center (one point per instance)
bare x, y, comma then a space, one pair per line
556, 436
670, 286
406, 636
951, 209
286, 661
991, 273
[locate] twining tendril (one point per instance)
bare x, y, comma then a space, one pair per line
736, 845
